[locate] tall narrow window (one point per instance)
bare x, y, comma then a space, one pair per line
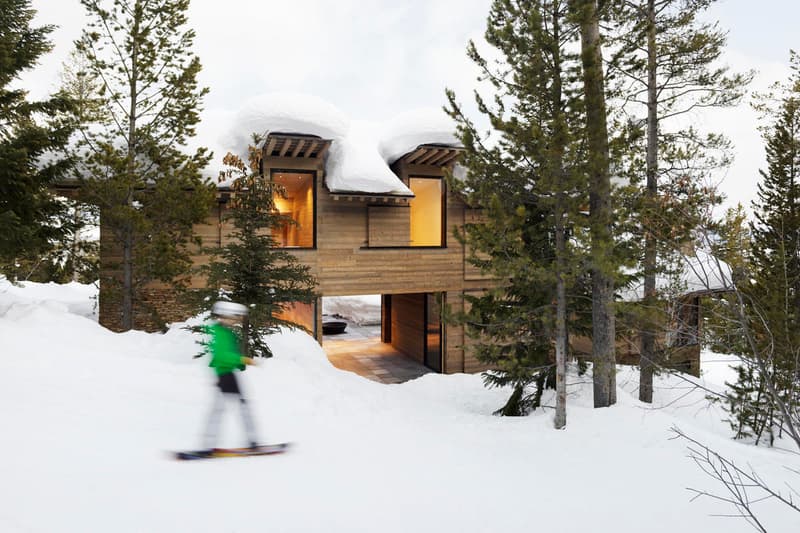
427, 213
297, 201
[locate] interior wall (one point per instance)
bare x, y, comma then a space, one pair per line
302, 314
408, 325
426, 212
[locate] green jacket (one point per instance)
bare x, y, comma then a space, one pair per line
224, 349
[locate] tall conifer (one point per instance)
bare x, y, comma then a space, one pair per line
135, 165
251, 268
529, 187
767, 391
32, 135
667, 64
598, 165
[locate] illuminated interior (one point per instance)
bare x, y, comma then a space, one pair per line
298, 203
426, 211
301, 314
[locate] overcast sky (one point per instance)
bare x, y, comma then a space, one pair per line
376, 58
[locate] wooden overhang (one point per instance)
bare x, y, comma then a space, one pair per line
436, 155
385, 198
295, 145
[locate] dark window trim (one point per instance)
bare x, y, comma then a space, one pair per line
444, 206
313, 174
401, 247
425, 319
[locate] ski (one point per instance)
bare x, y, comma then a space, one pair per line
218, 453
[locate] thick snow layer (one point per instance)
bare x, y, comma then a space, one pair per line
700, 272
407, 131
287, 113
89, 415
75, 298
360, 153
362, 310
354, 164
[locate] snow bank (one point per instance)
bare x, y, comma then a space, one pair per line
362, 310
88, 416
75, 298
406, 132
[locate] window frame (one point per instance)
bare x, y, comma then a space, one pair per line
443, 209
313, 174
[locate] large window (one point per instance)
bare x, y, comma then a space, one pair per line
427, 211
296, 201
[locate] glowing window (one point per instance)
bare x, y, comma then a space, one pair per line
427, 213
297, 201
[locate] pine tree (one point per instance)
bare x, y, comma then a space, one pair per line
768, 389
252, 269
603, 264
134, 167
30, 134
667, 63
529, 186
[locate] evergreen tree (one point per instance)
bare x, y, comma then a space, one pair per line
32, 135
732, 244
529, 186
667, 64
73, 255
251, 269
768, 387
598, 162
133, 167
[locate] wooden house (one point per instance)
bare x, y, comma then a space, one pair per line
374, 216
367, 224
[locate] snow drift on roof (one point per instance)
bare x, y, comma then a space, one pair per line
354, 164
360, 152
288, 113
701, 272
406, 132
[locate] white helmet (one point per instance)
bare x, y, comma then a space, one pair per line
228, 309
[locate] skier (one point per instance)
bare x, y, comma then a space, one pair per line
226, 358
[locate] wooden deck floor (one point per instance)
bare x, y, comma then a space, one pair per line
372, 359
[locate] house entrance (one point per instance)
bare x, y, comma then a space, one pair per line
385, 337
412, 323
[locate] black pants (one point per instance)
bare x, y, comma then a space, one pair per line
228, 389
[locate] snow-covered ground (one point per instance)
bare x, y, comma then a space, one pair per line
88, 417
363, 310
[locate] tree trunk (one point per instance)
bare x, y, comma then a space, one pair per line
75, 241
647, 361
559, 140
128, 240
603, 327
561, 327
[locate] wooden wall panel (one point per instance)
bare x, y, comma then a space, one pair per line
388, 225
471, 272
453, 336
471, 364
408, 325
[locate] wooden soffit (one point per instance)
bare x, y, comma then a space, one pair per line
371, 197
295, 146
432, 154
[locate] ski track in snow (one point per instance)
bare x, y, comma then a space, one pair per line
89, 417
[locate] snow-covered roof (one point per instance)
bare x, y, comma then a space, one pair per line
355, 165
699, 272
407, 131
361, 152
288, 113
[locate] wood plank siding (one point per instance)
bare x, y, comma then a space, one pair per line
362, 246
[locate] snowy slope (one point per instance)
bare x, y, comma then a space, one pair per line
88, 416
